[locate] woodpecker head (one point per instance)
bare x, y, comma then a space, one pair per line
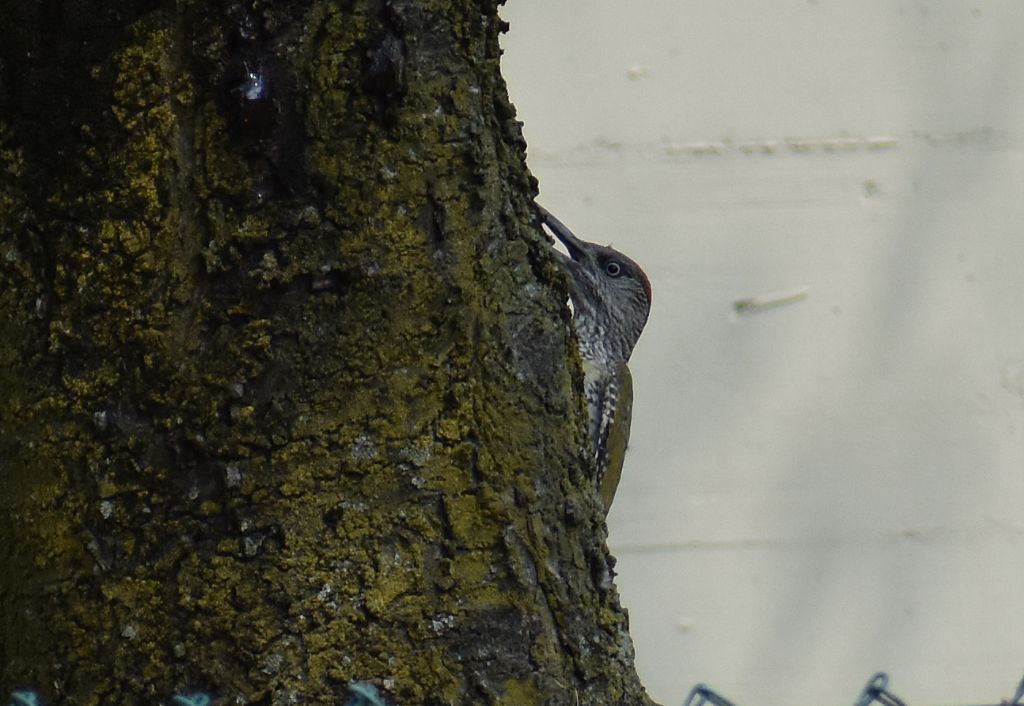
611, 296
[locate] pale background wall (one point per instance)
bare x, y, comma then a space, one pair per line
834, 486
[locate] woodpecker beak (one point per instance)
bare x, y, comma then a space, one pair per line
575, 246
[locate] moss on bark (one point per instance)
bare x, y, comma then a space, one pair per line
288, 396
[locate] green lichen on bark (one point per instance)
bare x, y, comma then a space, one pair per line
290, 407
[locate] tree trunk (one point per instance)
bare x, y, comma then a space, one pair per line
287, 390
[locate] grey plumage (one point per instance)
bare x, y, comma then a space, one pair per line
611, 299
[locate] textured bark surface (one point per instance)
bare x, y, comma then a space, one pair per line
286, 390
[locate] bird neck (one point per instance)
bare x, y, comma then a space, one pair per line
597, 346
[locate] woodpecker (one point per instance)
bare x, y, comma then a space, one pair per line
611, 298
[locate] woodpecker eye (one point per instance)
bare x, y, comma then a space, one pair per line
613, 268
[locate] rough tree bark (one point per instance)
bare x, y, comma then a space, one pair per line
287, 393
